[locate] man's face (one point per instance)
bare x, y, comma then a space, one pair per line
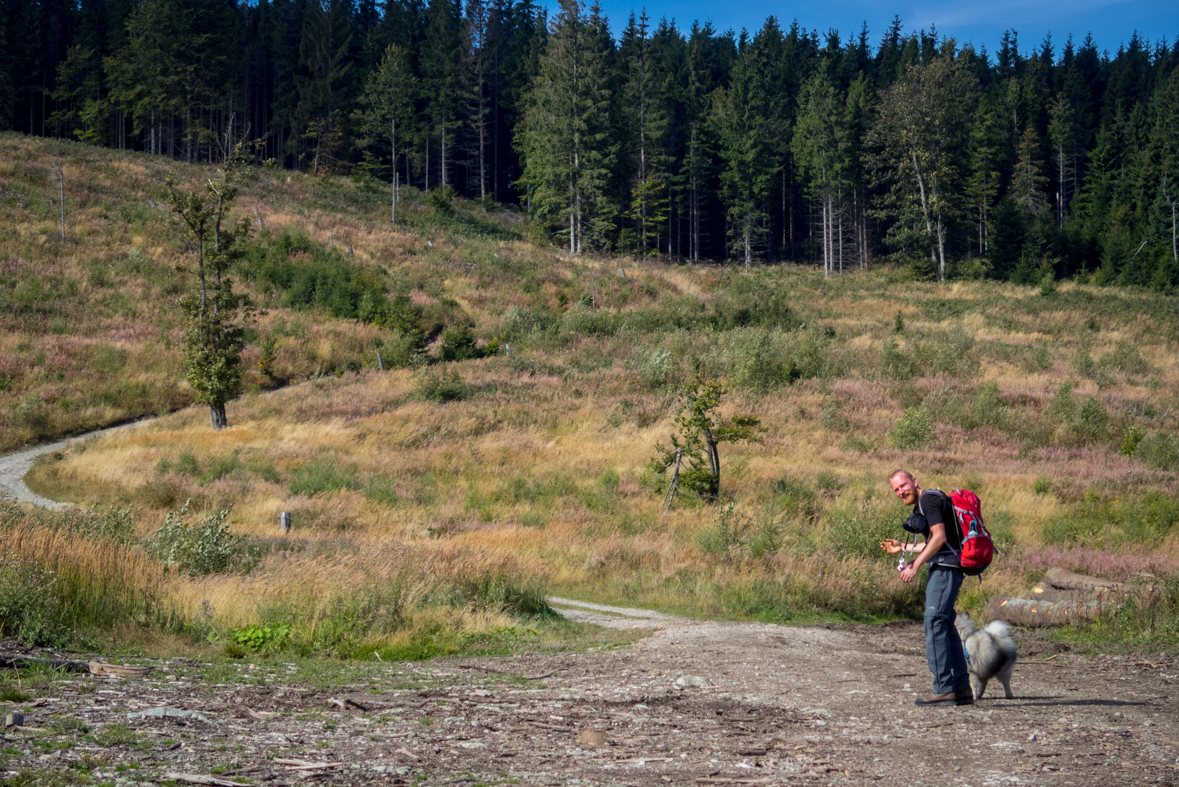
905, 488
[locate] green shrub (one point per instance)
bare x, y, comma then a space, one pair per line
1038, 360
797, 500
187, 465
403, 350
265, 470
219, 467
858, 529
28, 603
1062, 408
458, 345
1091, 422
913, 430
517, 322
1001, 525
205, 548
324, 475
654, 369
1104, 521
442, 386
988, 408
1042, 485
381, 489
726, 538
1160, 451
769, 532
308, 275
827, 481
1131, 439
1125, 359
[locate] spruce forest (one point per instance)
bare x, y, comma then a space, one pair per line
1029, 163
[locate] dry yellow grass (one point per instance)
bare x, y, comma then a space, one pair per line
544, 459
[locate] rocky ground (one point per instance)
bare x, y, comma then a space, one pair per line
786, 705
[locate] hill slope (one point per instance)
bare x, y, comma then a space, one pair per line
1055, 407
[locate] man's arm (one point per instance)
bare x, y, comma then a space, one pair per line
892, 546
937, 538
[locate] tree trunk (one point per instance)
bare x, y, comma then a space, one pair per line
393, 172
1025, 612
925, 209
217, 412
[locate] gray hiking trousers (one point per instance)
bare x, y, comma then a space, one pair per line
943, 646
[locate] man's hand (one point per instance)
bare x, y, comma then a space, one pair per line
891, 546
908, 574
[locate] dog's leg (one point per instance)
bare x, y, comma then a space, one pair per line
1005, 678
977, 686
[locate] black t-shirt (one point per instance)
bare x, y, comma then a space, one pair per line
937, 509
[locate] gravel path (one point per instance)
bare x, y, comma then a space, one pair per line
781, 706
14, 467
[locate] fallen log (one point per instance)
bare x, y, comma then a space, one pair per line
100, 668
1101, 589
1046, 593
1035, 613
1067, 580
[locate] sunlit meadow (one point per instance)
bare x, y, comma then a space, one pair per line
452, 495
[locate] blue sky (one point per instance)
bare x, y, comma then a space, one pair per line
1112, 22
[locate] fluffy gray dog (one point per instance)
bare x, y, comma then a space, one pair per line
990, 653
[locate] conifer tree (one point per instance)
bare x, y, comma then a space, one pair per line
1062, 131
820, 147
441, 67
323, 81
1027, 182
645, 122
564, 138
748, 170
985, 161
387, 102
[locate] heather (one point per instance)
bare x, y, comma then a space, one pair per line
460, 422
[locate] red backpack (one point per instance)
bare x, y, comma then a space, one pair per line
978, 550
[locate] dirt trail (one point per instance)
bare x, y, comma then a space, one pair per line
786, 706
14, 467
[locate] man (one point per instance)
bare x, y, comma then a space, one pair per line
933, 517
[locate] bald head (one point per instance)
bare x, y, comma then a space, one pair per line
904, 486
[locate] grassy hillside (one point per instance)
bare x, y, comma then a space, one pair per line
530, 465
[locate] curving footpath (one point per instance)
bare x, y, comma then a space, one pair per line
14, 467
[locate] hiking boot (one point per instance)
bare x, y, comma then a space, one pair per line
949, 698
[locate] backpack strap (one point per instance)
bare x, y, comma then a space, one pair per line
949, 546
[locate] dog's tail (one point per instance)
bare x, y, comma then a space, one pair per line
997, 628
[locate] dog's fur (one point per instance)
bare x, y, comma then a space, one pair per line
992, 653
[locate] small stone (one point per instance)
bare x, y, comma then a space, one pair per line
473, 744
1032, 737
685, 681
591, 737
14, 720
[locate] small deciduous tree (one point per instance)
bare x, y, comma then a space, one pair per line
694, 452
213, 312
